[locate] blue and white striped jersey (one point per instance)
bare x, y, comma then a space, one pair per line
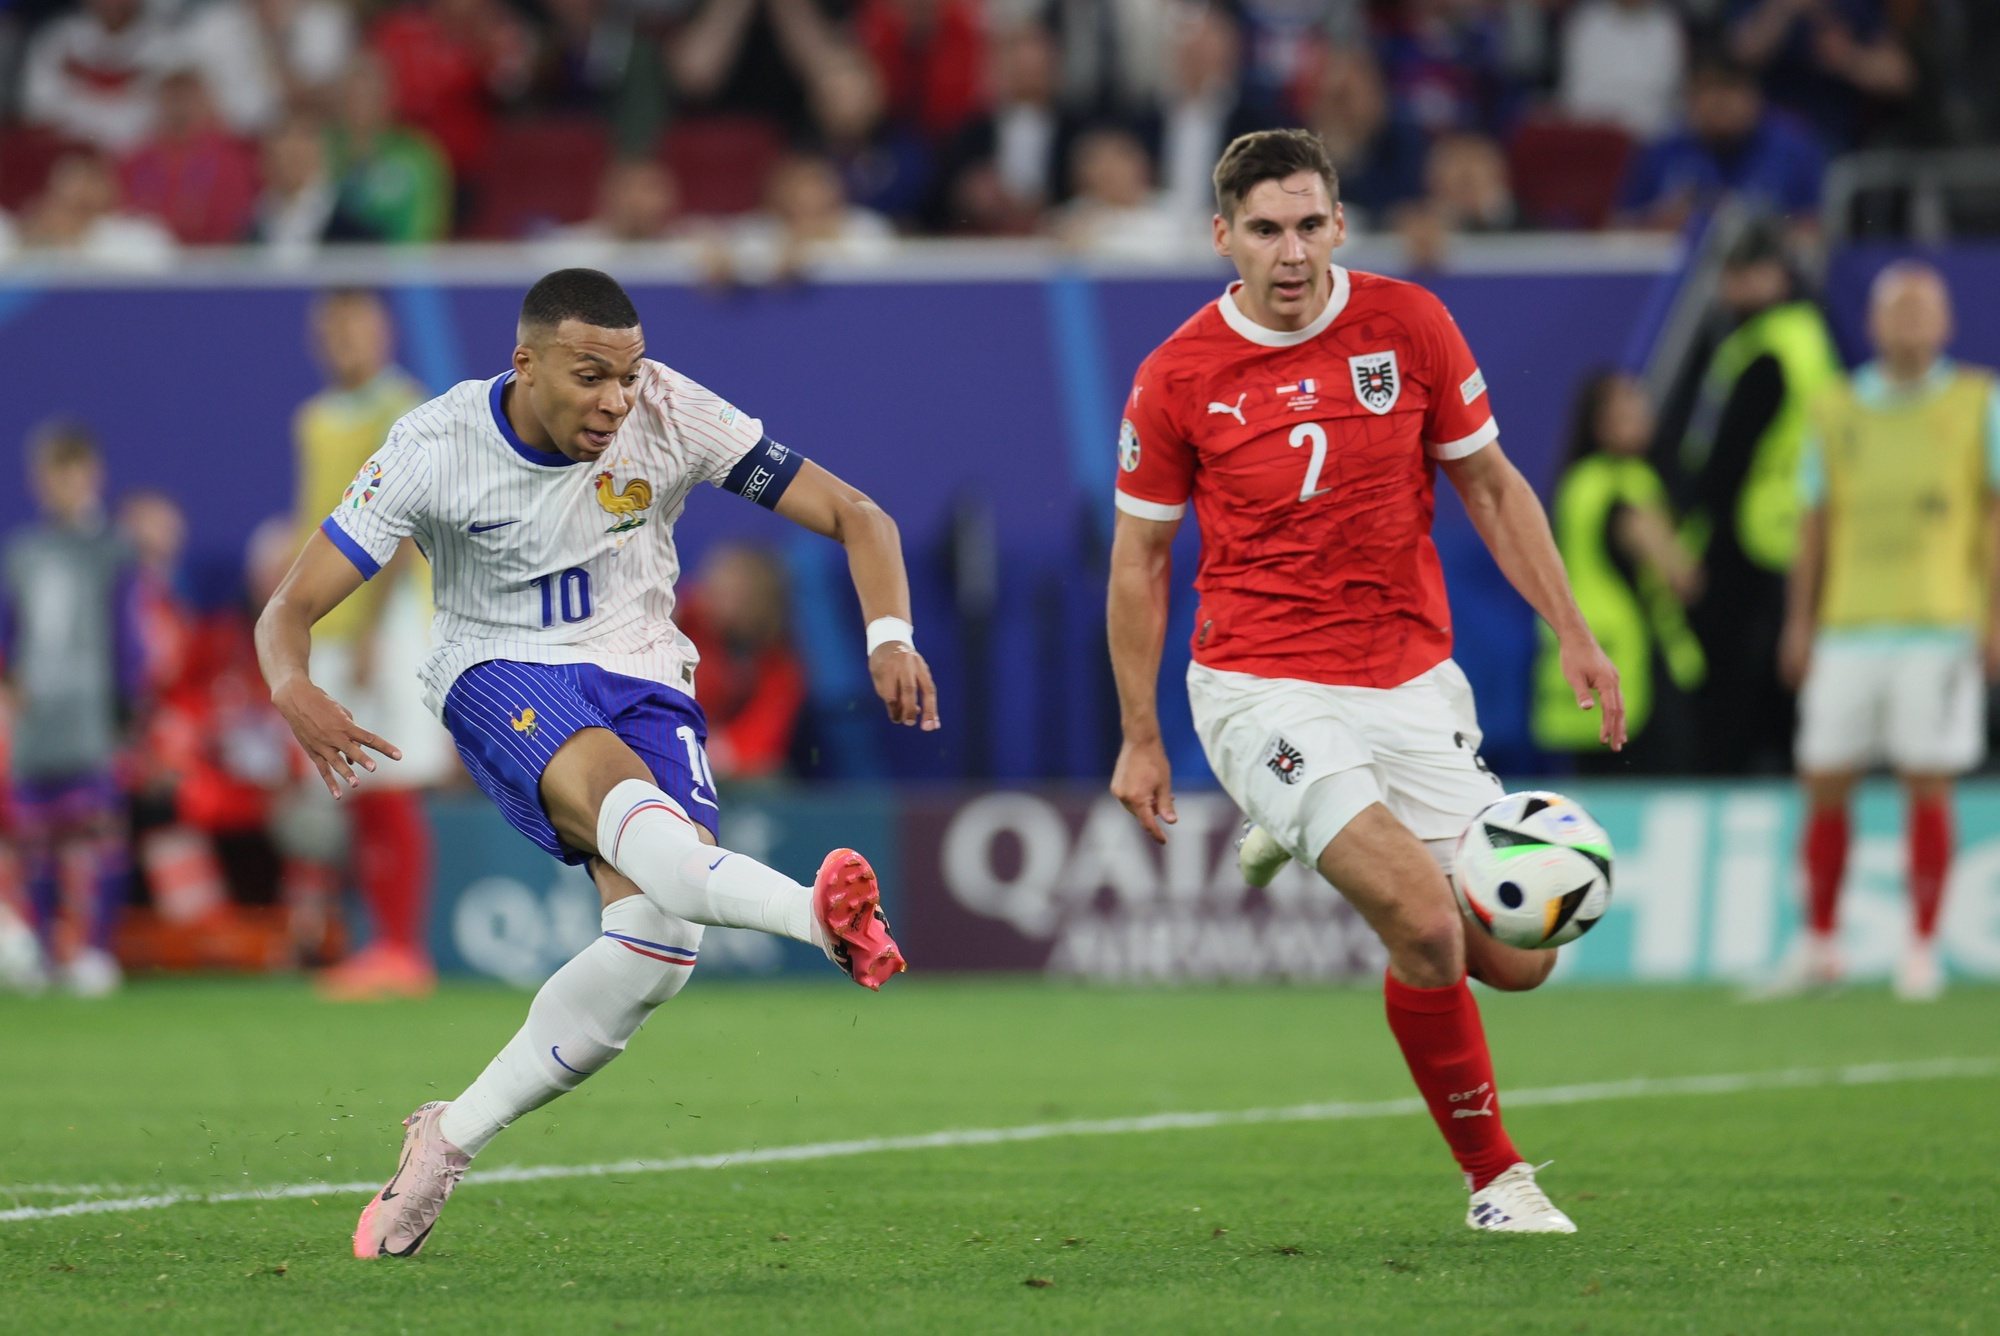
539, 558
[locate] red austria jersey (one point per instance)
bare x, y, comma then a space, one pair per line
1310, 456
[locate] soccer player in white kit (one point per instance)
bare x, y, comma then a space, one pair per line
544, 500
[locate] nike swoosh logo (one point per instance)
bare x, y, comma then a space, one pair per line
391, 1196
717, 863
559, 1062
488, 528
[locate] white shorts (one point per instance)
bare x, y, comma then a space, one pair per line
1919, 708
1414, 748
392, 704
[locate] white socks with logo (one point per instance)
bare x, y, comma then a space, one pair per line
645, 835
580, 1020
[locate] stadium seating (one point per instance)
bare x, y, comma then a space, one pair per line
540, 173
720, 162
27, 153
1566, 174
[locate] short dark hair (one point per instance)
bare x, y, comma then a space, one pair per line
588, 295
63, 443
1270, 155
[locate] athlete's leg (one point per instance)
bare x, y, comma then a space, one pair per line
1510, 969
1388, 875
1920, 976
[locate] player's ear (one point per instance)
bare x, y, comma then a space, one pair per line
524, 363
1221, 225
1339, 225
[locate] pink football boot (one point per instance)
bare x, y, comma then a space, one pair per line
849, 905
399, 1219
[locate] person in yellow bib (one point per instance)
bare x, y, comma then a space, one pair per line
1633, 579
1890, 628
371, 646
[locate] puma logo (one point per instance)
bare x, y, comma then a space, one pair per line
1483, 1111
524, 722
1234, 410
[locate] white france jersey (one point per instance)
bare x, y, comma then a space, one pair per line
539, 558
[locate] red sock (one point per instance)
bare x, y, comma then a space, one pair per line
1826, 842
1930, 861
392, 863
1445, 1046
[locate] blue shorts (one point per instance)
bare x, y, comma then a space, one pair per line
509, 718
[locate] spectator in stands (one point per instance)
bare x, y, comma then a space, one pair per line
930, 54
1730, 144
299, 208
1444, 62
806, 219
1111, 52
1009, 165
92, 75
885, 165
78, 217
1622, 64
391, 181
1832, 62
1285, 41
9, 238
451, 65
1378, 151
1114, 210
191, 173
1465, 191
1202, 107
752, 683
1633, 579
749, 57
583, 56
1739, 464
637, 203
261, 57
72, 674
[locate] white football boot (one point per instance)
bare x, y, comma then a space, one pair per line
1813, 965
21, 968
1259, 857
1515, 1204
1919, 976
92, 972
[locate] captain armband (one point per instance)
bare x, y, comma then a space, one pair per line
764, 474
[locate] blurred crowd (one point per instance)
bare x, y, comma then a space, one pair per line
766, 131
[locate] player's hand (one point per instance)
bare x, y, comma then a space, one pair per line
1795, 653
1144, 782
903, 681
1594, 678
329, 735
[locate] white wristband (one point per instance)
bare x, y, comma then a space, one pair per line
887, 631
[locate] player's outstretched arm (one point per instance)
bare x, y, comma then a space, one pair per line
317, 583
1510, 519
1136, 617
818, 501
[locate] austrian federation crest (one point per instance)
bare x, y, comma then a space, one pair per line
1377, 383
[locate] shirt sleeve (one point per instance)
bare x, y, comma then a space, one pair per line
726, 447
1155, 461
1812, 472
1993, 435
387, 502
1459, 420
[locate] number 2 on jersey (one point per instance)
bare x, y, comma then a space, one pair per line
1316, 434
572, 587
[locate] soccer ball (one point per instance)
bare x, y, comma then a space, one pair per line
1534, 870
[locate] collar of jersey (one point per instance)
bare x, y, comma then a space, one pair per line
548, 459
1873, 387
1232, 315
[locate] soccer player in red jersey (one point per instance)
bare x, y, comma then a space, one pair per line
1305, 413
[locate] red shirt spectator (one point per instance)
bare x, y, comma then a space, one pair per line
751, 683
932, 58
451, 63
191, 174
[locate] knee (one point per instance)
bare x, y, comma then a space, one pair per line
1513, 971
1427, 948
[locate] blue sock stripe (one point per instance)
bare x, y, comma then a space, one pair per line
657, 946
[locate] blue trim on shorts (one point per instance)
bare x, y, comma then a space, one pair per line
509, 719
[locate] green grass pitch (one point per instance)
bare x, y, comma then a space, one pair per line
1743, 1207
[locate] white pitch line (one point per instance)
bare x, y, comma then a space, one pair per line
1643, 1087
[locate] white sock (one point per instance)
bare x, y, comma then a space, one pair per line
645, 835
579, 1020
